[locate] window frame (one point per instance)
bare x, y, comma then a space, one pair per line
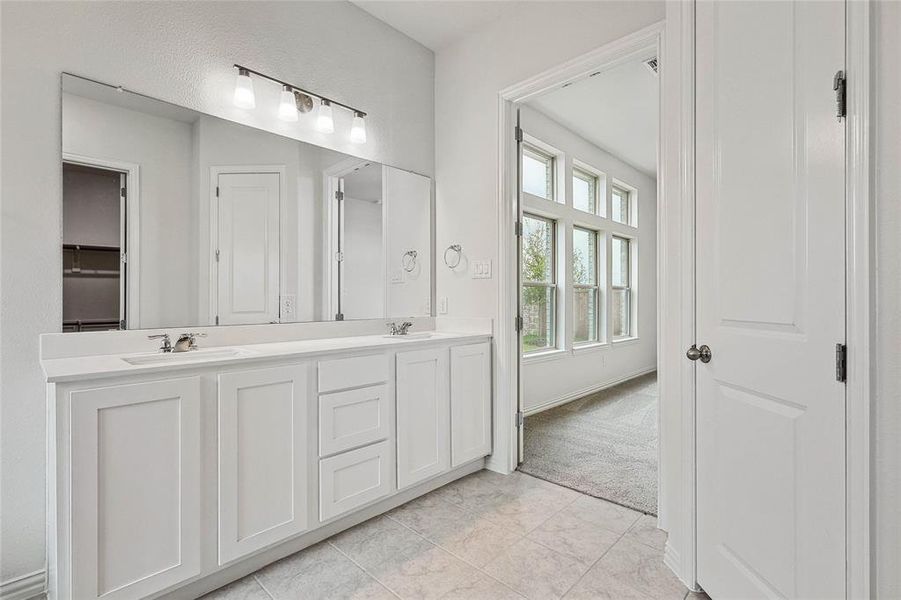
628, 288
596, 287
579, 172
550, 160
551, 285
617, 189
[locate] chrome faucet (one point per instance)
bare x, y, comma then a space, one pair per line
165, 344
402, 329
186, 342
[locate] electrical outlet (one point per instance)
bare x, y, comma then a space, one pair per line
442, 305
287, 307
481, 269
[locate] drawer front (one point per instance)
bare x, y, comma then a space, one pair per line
352, 419
344, 373
350, 480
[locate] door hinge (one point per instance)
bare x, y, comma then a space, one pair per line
217, 254
520, 419
339, 317
217, 319
517, 228
124, 258
517, 323
838, 86
841, 362
217, 191
122, 324
123, 192
339, 196
517, 133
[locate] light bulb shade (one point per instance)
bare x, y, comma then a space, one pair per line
244, 90
324, 121
287, 108
358, 130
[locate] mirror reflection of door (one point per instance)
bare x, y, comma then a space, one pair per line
361, 266
246, 258
93, 248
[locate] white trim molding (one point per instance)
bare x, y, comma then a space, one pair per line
24, 587
860, 298
569, 397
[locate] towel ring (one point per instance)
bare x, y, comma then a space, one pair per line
458, 250
409, 261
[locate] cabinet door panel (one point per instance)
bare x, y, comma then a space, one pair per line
135, 488
354, 478
352, 419
470, 392
262, 458
423, 415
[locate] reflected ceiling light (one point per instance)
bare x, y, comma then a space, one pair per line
358, 129
324, 121
244, 90
287, 108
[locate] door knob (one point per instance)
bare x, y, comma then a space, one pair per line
704, 353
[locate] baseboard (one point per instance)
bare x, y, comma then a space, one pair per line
24, 587
588, 390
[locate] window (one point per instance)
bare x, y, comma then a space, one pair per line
585, 285
539, 284
621, 280
585, 191
621, 208
537, 172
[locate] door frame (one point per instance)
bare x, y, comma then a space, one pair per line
132, 227
213, 227
675, 278
507, 360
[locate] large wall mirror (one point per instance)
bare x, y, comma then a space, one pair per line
174, 218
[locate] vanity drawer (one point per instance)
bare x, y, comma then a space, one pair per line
352, 479
353, 418
344, 373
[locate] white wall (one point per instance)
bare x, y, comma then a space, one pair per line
550, 380
887, 409
181, 52
163, 149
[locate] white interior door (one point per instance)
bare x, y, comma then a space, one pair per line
770, 300
248, 248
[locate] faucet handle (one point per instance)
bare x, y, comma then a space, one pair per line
166, 344
190, 339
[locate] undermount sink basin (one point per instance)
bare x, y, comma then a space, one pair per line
422, 335
185, 357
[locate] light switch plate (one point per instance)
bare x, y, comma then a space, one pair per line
397, 276
481, 269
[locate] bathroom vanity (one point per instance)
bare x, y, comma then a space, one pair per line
172, 468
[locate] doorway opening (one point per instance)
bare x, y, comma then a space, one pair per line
587, 183
94, 248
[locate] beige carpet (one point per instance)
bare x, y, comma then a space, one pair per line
604, 444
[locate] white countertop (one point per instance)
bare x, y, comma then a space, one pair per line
80, 368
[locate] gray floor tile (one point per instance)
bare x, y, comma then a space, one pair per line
243, 589
613, 517
535, 571
645, 530
311, 573
573, 537
422, 575
484, 588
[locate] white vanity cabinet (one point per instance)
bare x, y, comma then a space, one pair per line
423, 415
135, 488
470, 400
162, 478
263, 434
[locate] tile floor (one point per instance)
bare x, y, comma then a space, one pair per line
484, 537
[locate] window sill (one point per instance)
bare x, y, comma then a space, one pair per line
544, 356
626, 341
589, 347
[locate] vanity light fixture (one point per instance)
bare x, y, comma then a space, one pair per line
358, 129
324, 121
294, 99
287, 108
244, 90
